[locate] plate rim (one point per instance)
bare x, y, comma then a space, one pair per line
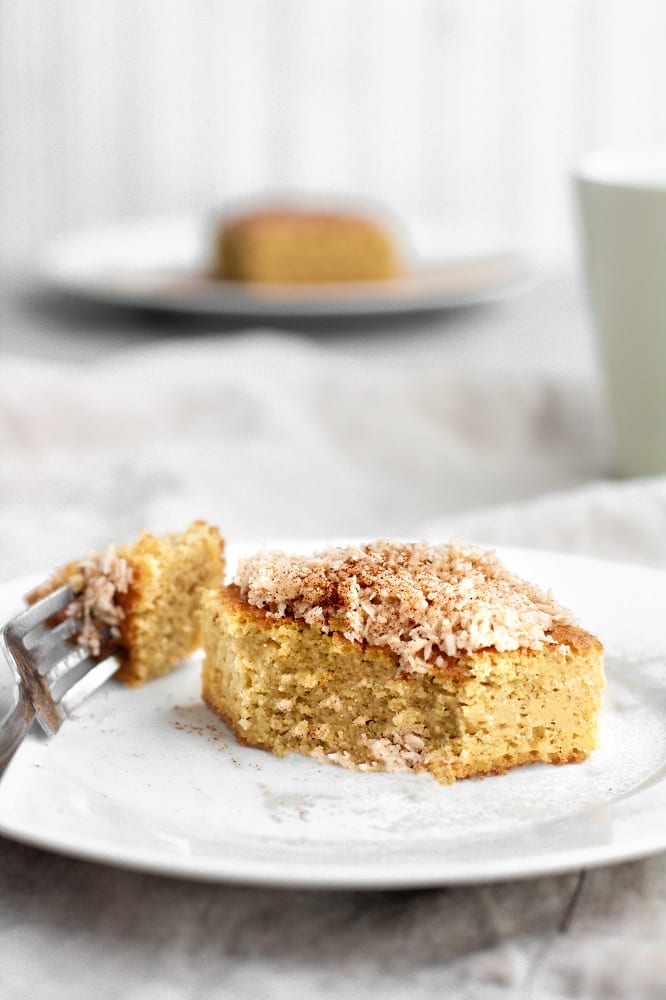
334, 876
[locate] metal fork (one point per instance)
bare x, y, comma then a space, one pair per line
54, 676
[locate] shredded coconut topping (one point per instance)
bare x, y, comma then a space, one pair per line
423, 602
399, 752
96, 582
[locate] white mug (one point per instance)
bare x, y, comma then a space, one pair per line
622, 203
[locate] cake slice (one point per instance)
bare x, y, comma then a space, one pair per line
296, 245
142, 601
398, 657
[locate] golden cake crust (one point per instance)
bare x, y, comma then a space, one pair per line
564, 634
427, 603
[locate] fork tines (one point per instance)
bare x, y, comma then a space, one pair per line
57, 675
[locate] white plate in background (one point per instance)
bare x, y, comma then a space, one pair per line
150, 779
161, 263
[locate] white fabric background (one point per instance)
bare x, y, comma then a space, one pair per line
272, 436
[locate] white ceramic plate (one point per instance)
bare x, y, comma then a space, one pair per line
150, 779
160, 263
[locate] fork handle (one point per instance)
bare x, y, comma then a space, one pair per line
15, 726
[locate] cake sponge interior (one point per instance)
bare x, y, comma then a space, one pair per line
283, 685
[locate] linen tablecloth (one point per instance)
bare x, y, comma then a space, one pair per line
272, 436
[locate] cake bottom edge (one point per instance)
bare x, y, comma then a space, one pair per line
445, 772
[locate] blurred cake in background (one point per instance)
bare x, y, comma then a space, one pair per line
288, 245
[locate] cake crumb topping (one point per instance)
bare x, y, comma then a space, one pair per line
399, 752
96, 581
423, 602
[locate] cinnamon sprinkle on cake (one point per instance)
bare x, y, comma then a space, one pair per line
96, 583
422, 602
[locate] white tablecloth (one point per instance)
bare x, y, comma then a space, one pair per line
271, 435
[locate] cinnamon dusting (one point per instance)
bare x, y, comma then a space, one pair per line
423, 602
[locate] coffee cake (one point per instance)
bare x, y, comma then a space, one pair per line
141, 601
289, 245
401, 656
